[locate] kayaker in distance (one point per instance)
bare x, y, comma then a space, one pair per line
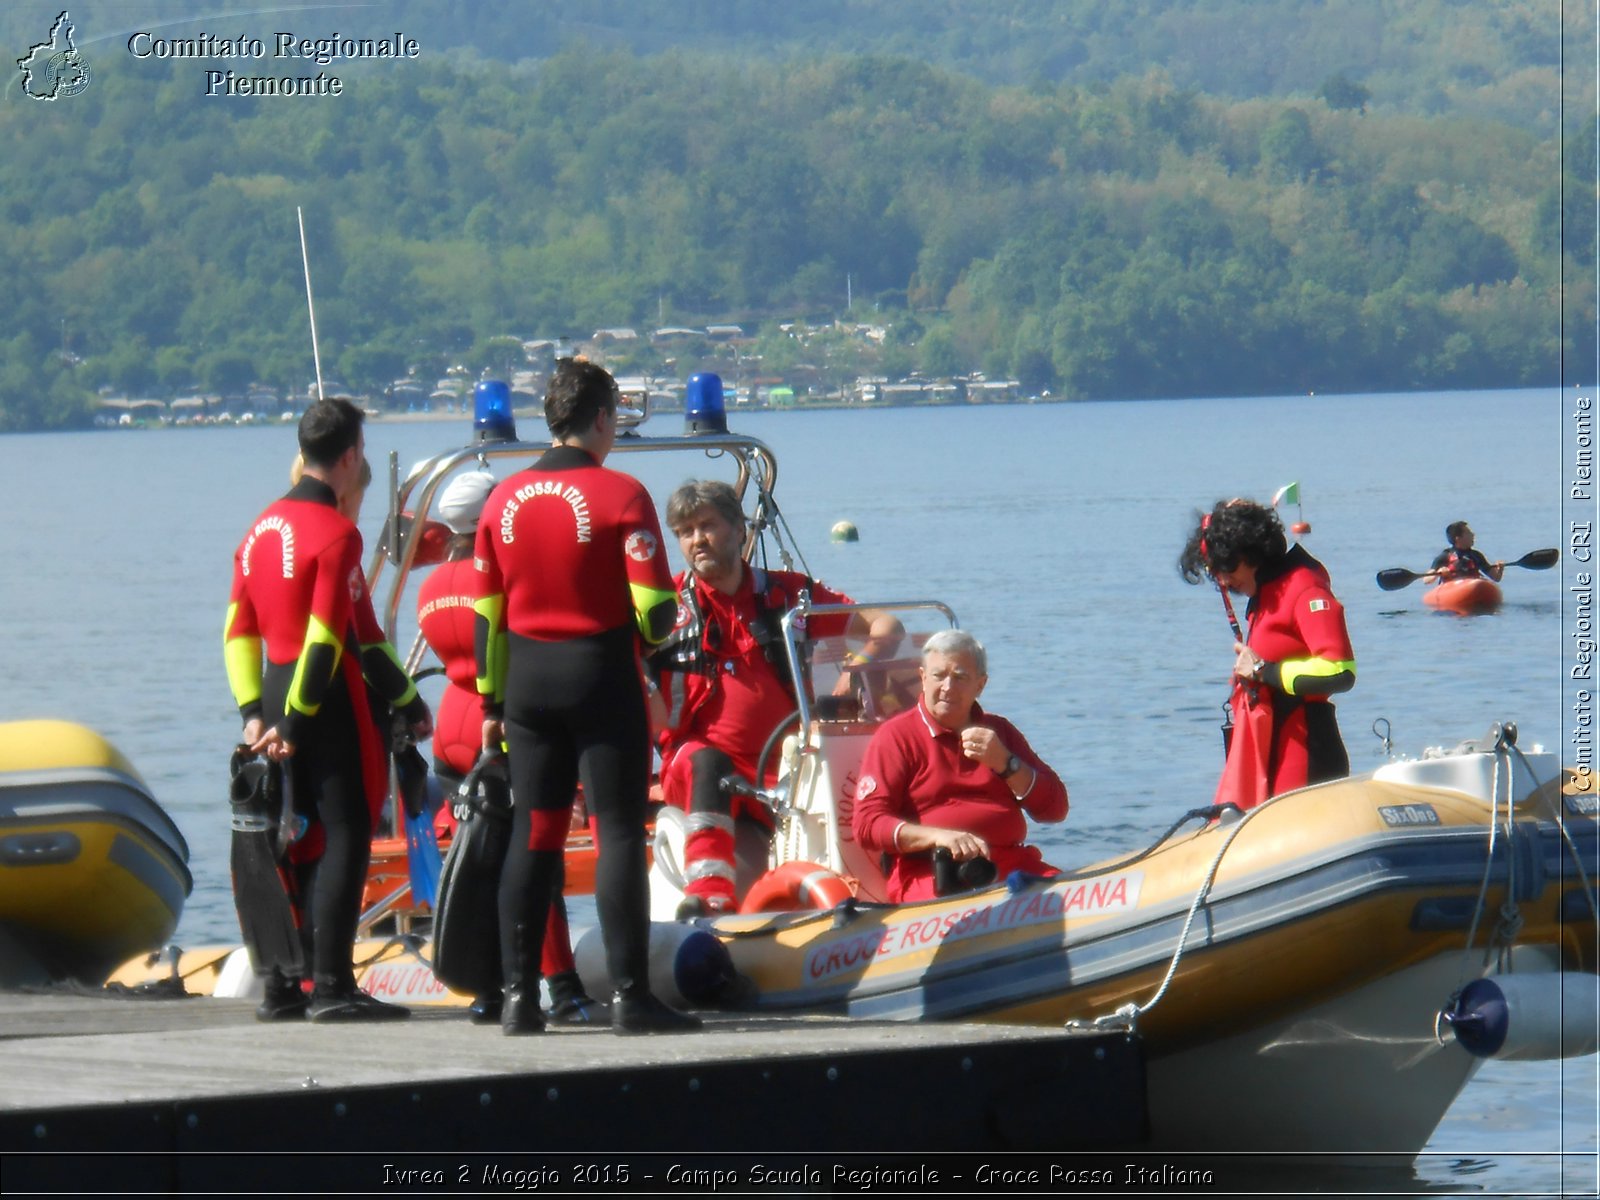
1295, 655
1459, 560
947, 776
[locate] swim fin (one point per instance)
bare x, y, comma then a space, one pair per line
422, 844
263, 823
466, 924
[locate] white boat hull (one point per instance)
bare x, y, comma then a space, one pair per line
1358, 1073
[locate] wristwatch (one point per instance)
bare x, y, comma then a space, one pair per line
1013, 765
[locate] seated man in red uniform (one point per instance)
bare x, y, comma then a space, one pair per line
733, 689
445, 616
948, 776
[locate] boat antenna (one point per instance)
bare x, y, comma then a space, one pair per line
311, 308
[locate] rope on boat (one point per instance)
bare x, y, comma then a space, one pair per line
663, 860
412, 942
769, 518
1510, 922
1210, 812
1385, 737
171, 984
1566, 836
1127, 1015
1498, 947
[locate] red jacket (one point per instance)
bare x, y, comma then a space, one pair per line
1297, 625
732, 694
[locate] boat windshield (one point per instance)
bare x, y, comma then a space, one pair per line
860, 662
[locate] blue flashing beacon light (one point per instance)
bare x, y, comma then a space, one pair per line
491, 412
703, 410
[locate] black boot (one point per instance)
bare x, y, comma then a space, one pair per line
520, 1013
570, 1004
341, 1000
486, 1008
638, 1010
284, 999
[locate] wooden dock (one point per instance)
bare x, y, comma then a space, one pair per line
195, 1094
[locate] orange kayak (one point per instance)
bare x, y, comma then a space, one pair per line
1465, 597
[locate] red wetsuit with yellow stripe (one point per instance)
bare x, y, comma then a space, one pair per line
573, 574
1285, 734
301, 643
445, 617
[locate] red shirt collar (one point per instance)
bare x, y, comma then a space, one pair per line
934, 728
746, 586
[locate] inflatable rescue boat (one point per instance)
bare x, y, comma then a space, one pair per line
92, 870
1299, 954
1322, 972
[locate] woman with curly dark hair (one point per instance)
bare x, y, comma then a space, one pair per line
1295, 655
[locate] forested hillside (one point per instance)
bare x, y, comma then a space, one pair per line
1494, 59
1125, 239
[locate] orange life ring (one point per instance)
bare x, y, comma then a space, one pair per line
797, 884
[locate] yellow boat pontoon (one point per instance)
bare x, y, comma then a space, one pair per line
92, 870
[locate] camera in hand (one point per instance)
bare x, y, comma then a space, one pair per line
950, 877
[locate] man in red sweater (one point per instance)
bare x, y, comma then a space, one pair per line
948, 776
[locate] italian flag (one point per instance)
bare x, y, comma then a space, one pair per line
1289, 493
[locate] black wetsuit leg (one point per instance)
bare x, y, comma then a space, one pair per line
328, 784
1326, 756
708, 767
575, 710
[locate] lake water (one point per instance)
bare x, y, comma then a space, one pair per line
1052, 531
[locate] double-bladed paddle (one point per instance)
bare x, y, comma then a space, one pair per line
1535, 560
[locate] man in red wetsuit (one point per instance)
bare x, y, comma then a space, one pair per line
947, 776
727, 676
572, 575
446, 618
299, 595
1294, 656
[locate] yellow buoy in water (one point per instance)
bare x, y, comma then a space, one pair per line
844, 531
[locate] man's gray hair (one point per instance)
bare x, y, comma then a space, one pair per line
704, 493
950, 642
